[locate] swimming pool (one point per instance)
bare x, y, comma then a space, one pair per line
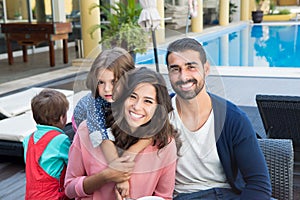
259, 45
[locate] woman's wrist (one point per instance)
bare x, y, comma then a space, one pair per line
105, 175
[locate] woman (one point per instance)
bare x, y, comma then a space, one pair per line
140, 111
106, 70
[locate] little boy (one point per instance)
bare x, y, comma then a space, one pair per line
46, 150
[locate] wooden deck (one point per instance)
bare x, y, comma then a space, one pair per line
12, 178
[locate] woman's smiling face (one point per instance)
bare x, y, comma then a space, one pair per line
140, 106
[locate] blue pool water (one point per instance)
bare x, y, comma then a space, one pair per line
253, 45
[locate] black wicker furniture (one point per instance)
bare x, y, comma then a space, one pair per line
279, 156
280, 116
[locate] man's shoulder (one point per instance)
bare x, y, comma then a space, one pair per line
225, 103
226, 111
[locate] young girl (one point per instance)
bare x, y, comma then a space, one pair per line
46, 150
140, 111
106, 70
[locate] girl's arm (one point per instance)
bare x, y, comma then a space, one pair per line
109, 150
136, 148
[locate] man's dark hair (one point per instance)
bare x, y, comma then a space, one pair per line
185, 44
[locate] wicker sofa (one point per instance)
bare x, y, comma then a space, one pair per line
279, 156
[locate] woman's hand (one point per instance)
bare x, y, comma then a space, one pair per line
118, 171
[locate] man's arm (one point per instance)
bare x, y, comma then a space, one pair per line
251, 162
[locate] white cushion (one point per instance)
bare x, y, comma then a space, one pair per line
18, 103
15, 128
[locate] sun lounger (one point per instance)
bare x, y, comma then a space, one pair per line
14, 128
18, 103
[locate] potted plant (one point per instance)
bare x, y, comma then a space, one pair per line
17, 15
257, 15
122, 28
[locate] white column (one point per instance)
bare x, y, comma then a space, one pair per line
59, 11
59, 16
224, 51
244, 47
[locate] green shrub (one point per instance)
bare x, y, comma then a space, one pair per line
284, 12
123, 29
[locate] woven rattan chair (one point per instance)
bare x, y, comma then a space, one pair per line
279, 156
280, 116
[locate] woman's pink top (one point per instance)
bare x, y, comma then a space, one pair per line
153, 174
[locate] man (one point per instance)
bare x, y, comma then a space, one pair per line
221, 157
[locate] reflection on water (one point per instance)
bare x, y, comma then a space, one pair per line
253, 45
273, 46
281, 48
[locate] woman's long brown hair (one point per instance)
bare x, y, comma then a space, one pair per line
159, 127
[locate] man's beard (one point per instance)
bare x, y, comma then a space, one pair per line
188, 94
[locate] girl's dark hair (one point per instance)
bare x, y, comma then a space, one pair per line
159, 127
116, 60
48, 106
